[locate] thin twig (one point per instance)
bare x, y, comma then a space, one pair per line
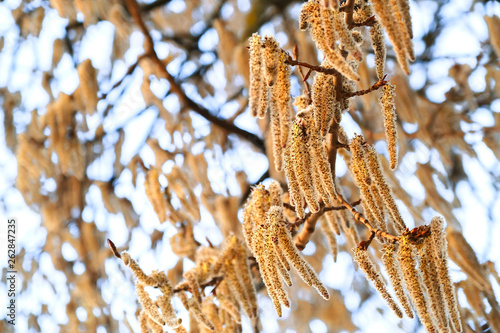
292, 62
379, 84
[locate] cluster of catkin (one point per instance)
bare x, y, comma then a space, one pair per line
227, 268
268, 237
418, 271
154, 314
378, 200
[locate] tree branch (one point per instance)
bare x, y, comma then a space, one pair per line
135, 12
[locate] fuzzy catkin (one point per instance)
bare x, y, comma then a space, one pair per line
379, 48
439, 249
367, 266
302, 164
348, 42
412, 282
391, 134
395, 277
147, 304
430, 278
155, 195
305, 270
385, 191
257, 86
296, 199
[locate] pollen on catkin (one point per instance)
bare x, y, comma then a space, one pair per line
147, 304
365, 263
383, 187
411, 277
428, 267
302, 163
296, 198
306, 272
439, 249
391, 134
395, 277
257, 85
330, 237
271, 60
345, 35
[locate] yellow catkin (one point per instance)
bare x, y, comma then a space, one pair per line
195, 310
137, 271
331, 218
305, 15
237, 289
302, 163
367, 266
391, 134
257, 85
348, 42
271, 258
320, 160
191, 277
331, 52
281, 96
155, 195
439, 248
167, 311
330, 237
212, 312
248, 224
260, 256
296, 199
404, 33
282, 265
362, 179
284, 237
143, 322
394, 271
493, 23
385, 191
245, 275
379, 49
276, 193
328, 21
386, 17
412, 282
276, 132
430, 277
404, 8
147, 304
271, 60
261, 203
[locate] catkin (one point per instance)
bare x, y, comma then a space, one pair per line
296, 199
379, 49
367, 266
390, 125
430, 278
302, 164
439, 248
330, 237
257, 86
385, 191
348, 42
147, 304
395, 277
412, 282
305, 270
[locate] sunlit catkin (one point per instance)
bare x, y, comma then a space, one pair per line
271, 60
348, 42
430, 277
412, 281
257, 85
330, 237
296, 199
439, 247
302, 163
379, 48
393, 270
245, 275
305, 270
365, 263
195, 310
390, 125
385, 191
147, 304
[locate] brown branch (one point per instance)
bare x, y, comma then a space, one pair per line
306, 232
330, 71
358, 217
135, 12
304, 77
379, 84
369, 22
215, 281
